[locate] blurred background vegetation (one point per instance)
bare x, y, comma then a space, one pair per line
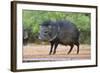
32, 20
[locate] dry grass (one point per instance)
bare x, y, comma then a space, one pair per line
33, 52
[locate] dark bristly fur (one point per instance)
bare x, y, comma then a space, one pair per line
60, 32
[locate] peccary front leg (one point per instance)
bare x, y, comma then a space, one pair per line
71, 48
52, 43
56, 44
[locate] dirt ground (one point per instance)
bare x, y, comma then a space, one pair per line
35, 53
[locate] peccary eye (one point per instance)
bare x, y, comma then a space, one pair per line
46, 32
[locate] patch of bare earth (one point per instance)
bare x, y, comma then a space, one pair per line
33, 52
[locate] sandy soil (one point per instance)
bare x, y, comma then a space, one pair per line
34, 53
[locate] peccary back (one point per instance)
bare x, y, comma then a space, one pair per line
60, 32
67, 33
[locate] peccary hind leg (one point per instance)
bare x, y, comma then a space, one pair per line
77, 44
71, 48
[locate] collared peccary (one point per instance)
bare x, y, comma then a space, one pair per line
59, 32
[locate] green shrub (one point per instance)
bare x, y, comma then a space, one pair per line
33, 19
